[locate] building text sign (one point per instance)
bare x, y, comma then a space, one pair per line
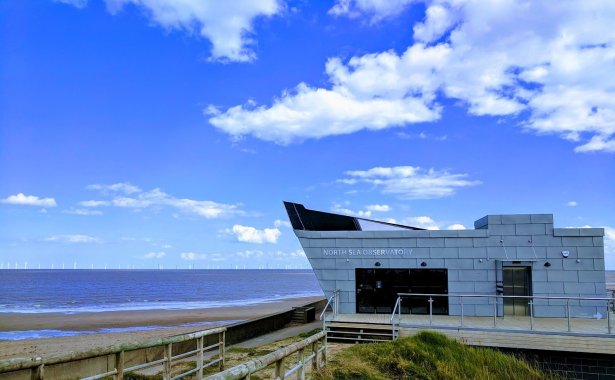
345, 252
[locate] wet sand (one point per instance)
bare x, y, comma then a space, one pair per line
94, 321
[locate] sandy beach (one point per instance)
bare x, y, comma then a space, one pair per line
93, 321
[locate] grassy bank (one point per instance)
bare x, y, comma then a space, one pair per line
427, 355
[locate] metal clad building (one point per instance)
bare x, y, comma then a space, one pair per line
370, 262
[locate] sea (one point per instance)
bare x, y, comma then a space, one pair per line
91, 291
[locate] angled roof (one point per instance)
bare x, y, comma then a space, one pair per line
305, 219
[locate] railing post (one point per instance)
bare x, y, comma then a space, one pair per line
279, 369
324, 352
315, 359
301, 357
393, 328
461, 299
39, 372
168, 353
531, 304
221, 339
337, 303
495, 311
199, 363
568, 312
430, 310
119, 365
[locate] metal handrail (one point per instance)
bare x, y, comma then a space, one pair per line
503, 296
496, 297
397, 306
394, 327
331, 302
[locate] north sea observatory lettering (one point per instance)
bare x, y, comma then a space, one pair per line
366, 251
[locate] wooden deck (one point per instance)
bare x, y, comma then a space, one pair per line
585, 335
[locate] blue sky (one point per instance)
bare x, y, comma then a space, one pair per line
146, 134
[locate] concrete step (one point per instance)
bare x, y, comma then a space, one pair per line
359, 332
354, 332
353, 325
355, 339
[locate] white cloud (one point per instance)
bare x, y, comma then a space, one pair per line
249, 254
421, 222
428, 223
192, 256
598, 143
83, 211
138, 199
226, 24
73, 239
571, 203
510, 56
250, 234
298, 253
28, 200
291, 254
154, 255
373, 92
376, 9
338, 208
93, 203
548, 67
281, 223
378, 208
609, 233
409, 182
367, 213
121, 187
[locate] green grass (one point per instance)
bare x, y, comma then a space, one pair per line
427, 355
309, 333
251, 352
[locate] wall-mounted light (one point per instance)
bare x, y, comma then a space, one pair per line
565, 254
377, 263
423, 264
547, 264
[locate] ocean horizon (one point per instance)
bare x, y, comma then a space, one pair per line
73, 291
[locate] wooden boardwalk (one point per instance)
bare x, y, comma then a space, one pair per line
585, 335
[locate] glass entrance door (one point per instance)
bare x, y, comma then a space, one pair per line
516, 281
377, 290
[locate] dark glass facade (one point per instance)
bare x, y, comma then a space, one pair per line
377, 290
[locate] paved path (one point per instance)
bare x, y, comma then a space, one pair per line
284, 333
